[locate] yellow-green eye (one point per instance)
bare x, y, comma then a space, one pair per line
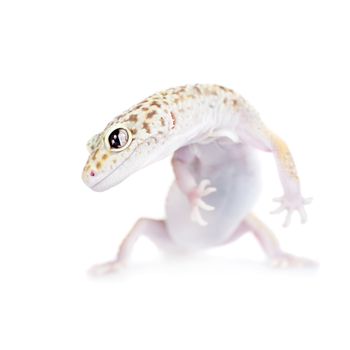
118, 138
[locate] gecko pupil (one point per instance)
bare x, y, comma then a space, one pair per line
118, 138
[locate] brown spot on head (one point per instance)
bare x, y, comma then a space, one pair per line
133, 118
98, 165
223, 88
105, 156
173, 118
234, 103
197, 89
162, 121
94, 155
155, 103
146, 127
145, 109
133, 131
151, 114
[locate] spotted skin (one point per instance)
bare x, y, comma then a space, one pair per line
212, 134
158, 115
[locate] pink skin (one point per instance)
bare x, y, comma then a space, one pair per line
187, 185
156, 231
292, 199
187, 162
216, 185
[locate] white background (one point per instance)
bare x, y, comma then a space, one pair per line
67, 68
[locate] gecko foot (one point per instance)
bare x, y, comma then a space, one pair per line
291, 205
197, 202
106, 268
285, 260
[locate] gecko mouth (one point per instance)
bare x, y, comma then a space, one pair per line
105, 178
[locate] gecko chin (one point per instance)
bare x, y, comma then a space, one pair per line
138, 159
115, 176
108, 181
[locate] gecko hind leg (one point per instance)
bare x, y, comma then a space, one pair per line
155, 230
270, 245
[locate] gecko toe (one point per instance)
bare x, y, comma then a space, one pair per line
105, 268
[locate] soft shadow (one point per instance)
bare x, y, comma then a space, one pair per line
203, 264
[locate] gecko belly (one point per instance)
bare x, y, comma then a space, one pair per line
237, 183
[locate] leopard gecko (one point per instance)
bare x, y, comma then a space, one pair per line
213, 135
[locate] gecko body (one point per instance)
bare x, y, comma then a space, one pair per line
234, 174
213, 135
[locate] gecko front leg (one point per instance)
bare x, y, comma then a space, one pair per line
155, 230
252, 131
187, 184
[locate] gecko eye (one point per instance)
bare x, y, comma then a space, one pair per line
119, 139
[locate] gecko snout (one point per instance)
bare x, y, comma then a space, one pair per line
90, 176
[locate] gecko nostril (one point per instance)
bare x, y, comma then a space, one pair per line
92, 173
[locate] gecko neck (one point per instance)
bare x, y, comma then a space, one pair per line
204, 118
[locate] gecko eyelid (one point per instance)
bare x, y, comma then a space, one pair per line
118, 138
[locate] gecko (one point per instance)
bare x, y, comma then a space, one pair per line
212, 135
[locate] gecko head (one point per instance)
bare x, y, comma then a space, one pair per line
127, 144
